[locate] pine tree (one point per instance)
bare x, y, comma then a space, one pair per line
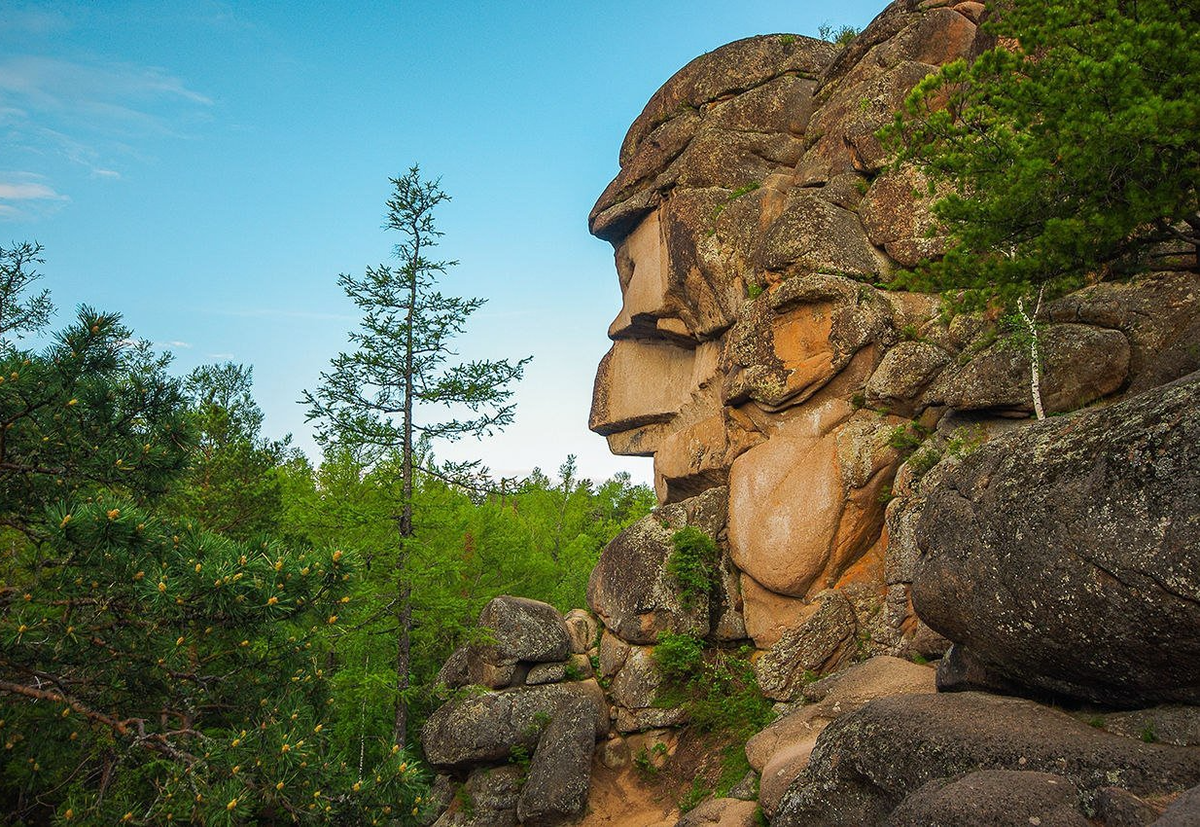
370, 398
1072, 149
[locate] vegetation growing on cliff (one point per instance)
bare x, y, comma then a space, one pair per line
1073, 148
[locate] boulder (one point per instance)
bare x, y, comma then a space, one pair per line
578, 668
1183, 812
1080, 364
525, 630
1061, 557
992, 798
630, 588
560, 773
822, 643
867, 762
582, 629
781, 751
1158, 312
903, 373
489, 800
484, 728
805, 506
720, 812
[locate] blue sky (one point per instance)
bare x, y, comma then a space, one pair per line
208, 168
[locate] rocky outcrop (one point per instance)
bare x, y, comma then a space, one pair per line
781, 751
868, 762
871, 478
525, 748
633, 591
1062, 557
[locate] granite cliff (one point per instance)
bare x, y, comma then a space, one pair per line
875, 486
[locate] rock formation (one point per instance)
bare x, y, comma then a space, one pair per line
864, 469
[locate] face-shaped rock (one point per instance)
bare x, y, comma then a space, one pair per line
751, 219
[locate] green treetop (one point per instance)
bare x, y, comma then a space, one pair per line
380, 398
1072, 148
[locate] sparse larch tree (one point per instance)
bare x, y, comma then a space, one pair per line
378, 398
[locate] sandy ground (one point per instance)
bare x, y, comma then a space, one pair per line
619, 798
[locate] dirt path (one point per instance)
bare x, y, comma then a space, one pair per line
619, 798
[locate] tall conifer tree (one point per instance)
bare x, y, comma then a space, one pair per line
377, 398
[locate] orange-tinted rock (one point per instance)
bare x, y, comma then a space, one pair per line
769, 614
805, 504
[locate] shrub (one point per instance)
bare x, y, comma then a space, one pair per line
693, 564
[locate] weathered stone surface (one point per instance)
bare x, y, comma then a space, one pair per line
781, 751
805, 505
1183, 812
1160, 315
867, 762
631, 590
1169, 724
493, 795
822, 643
582, 629
992, 798
1114, 807
525, 630
644, 383
814, 236
720, 812
556, 788
1062, 555
770, 615
638, 681
1080, 364
903, 373
577, 668
613, 652
640, 720
484, 728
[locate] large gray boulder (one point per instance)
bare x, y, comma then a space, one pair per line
992, 798
489, 800
483, 728
1062, 557
556, 788
866, 763
630, 588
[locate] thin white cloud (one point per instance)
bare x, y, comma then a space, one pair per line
89, 111
24, 195
219, 356
174, 345
27, 191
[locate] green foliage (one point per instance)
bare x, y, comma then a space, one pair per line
907, 438
694, 794
754, 289
230, 486
678, 657
153, 671
21, 314
1071, 156
841, 35
1148, 733
918, 659
376, 401
693, 563
716, 686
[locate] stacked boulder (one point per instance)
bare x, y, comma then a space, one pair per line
516, 740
